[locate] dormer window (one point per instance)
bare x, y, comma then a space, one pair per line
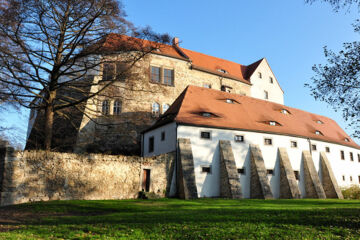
207, 114
317, 132
273, 123
222, 71
225, 88
347, 140
319, 122
284, 111
259, 75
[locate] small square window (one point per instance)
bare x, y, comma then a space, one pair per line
270, 171
239, 138
271, 80
293, 144
313, 147
205, 135
241, 171
342, 155
207, 85
162, 136
327, 149
351, 156
297, 175
268, 141
151, 144
206, 169
343, 177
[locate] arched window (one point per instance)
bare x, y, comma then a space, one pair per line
155, 109
105, 107
117, 107
165, 107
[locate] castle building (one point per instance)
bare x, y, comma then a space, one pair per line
113, 122
231, 145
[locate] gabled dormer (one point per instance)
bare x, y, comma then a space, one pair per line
264, 83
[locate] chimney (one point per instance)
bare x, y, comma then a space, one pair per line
175, 41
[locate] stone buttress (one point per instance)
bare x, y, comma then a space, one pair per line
313, 187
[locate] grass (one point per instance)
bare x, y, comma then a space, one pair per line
179, 219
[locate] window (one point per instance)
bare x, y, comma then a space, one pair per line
284, 111
297, 175
347, 140
222, 71
230, 101
259, 75
155, 74
359, 178
266, 95
207, 85
343, 177
319, 122
168, 77
351, 156
268, 141
108, 71
155, 109
327, 149
350, 178
272, 123
293, 144
151, 144
117, 107
313, 147
358, 157
205, 135
239, 138
165, 107
225, 88
342, 155
241, 171
105, 107
270, 172
162, 136
317, 132
206, 114
271, 80
206, 169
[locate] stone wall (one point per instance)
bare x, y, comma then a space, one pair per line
41, 176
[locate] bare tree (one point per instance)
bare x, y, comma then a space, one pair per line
51, 47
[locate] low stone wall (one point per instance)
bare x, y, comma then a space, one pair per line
41, 176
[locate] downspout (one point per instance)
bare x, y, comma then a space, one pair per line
176, 161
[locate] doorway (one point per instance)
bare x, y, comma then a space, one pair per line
146, 180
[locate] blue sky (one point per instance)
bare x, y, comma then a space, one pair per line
290, 34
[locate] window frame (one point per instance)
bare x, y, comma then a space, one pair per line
163, 136
117, 107
206, 138
351, 156
295, 145
166, 78
105, 109
242, 138
153, 112
313, 147
327, 149
152, 74
266, 95
271, 142
271, 80
342, 154
241, 171
203, 167
151, 144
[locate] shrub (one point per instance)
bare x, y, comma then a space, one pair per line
352, 192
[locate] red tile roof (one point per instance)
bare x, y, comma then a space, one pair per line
250, 114
199, 61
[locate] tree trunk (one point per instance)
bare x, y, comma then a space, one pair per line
49, 120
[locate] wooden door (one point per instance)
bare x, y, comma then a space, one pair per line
146, 180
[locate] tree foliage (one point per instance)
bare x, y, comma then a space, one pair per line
52, 46
338, 81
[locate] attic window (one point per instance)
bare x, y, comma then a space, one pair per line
206, 114
230, 101
284, 111
222, 71
259, 75
317, 132
271, 80
319, 122
346, 140
273, 123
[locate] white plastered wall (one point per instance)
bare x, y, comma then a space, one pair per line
160, 147
206, 152
263, 84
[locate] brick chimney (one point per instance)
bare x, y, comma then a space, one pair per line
175, 41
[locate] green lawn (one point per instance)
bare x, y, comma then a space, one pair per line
178, 219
